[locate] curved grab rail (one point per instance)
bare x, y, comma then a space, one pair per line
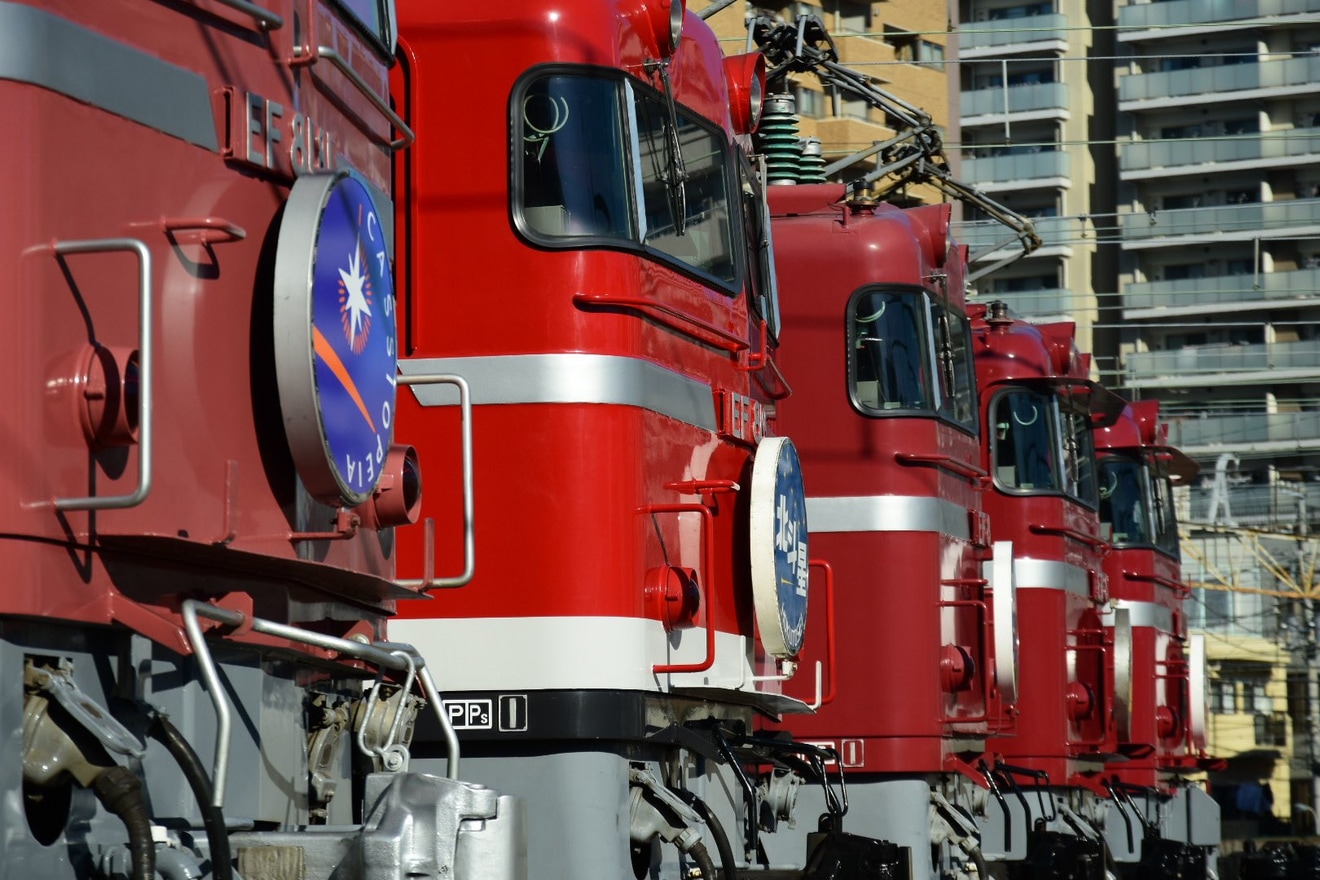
428, 581
704, 586
146, 360
305, 56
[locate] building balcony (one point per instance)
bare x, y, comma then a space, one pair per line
1213, 85
1035, 33
1274, 506
1201, 366
1234, 222
1196, 295
1047, 168
1038, 101
1034, 303
1054, 232
1183, 13
1244, 433
1165, 158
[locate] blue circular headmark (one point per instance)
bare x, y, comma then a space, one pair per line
336, 346
780, 567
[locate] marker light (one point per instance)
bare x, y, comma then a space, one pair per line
662, 20
745, 77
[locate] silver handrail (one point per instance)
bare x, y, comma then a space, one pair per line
145, 362
302, 55
469, 531
389, 655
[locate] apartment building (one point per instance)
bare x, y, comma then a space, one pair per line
1170, 153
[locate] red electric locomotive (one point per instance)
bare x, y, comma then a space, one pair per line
1039, 410
1157, 824
885, 418
639, 553
202, 480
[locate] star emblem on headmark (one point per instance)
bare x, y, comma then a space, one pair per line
355, 301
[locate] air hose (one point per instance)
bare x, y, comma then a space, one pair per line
213, 819
727, 860
120, 792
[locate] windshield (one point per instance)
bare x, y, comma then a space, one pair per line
1043, 446
600, 163
1026, 441
953, 341
1136, 503
1124, 506
889, 366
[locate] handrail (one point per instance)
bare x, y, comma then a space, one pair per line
831, 642
428, 581
304, 55
704, 586
1178, 587
668, 317
145, 370
387, 655
1080, 537
265, 19
980, 479
226, 230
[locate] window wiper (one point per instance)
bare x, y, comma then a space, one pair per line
676, 175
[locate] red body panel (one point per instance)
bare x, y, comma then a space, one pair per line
567, 525
913, 663
1065, 708
224, 502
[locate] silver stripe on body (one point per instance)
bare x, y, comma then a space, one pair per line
45, 50
1050, 574
569, 378
887, 513
1150, 614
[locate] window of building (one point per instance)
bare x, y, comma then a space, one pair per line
852, 17
930, 54
1272, 730
810, 102
1222, 696
1254, 697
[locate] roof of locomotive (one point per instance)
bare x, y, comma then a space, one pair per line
496, 41
1138, 430
826, 246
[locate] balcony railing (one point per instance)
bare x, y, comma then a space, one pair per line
1045, 165
1220, 81
1274, 505
1185, 12
1013, 32
1227, 430
1221, 362
1033, 303
1259, 216
1053, 232
1292, 144
1221, 289
1021, 99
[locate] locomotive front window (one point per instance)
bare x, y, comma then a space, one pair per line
1125, 508
1165, 519
888, 347
953, 340
1027, 441
1079, 456
575, 174
605, 162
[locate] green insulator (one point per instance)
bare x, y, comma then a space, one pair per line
776, 138
812, 165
